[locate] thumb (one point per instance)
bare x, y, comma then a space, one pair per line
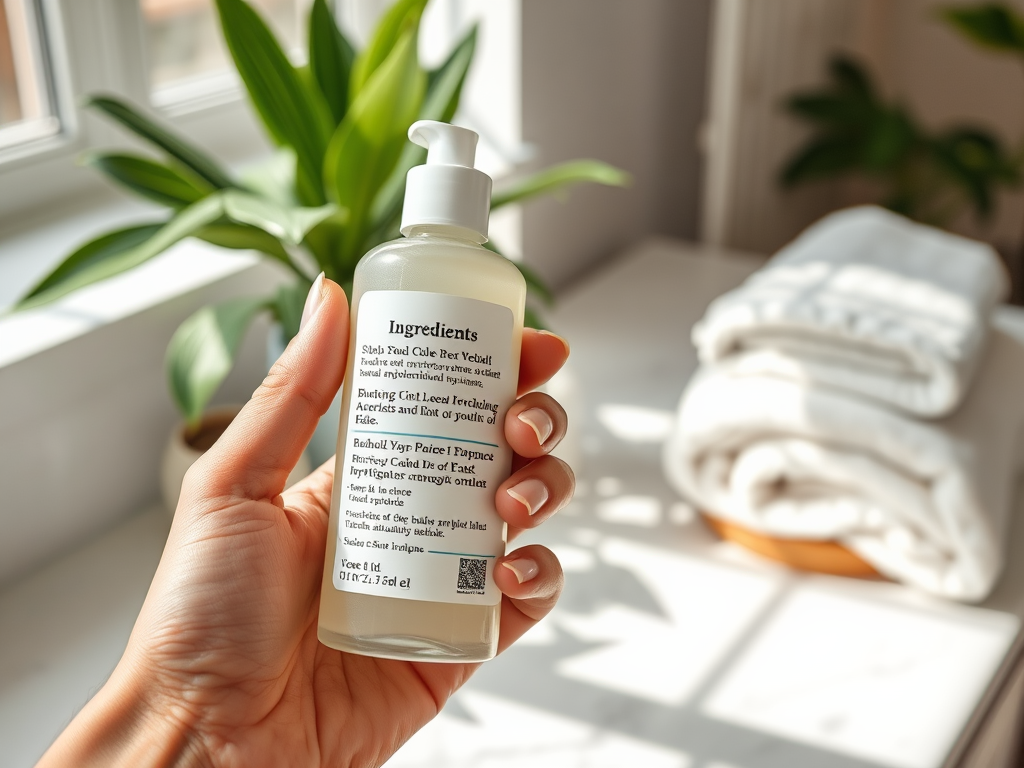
254, 456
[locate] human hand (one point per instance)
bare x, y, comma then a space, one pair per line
223, 667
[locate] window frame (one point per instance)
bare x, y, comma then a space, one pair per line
98, 46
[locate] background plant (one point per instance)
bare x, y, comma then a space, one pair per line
926, 175
332, 190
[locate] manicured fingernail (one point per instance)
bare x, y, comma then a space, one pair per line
312, 300
524, 568
539, 422
556, 336
530, 493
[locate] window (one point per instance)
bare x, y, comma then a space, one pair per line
168, 55
26, 109
162, 54
186, 52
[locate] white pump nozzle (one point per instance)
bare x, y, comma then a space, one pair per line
445, 144
447, 190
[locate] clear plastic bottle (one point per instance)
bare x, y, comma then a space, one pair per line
441, 263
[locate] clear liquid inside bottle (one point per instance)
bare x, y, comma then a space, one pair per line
434, 259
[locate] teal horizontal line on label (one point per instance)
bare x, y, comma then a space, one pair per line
460, 554
432, 437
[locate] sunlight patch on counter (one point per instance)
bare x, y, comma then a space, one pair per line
883, 683
493, 732
664, 658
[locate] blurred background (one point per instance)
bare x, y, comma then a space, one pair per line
712, 107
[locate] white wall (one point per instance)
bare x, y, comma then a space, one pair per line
762, 51
618, 81
83, 423
622, 82
765, 51
948, 80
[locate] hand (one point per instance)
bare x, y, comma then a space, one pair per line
223, 667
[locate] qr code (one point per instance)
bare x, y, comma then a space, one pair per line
472, 575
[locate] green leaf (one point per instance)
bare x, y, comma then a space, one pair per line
837, 111
532, 319
848, 103
87, 257
324, 243
108, 258
850, 77
535, 285
330, 57
976, 162
194, 159
284, 223
533, 280
444, 89
288, 304
273, 178
991, 25
559, 177
369, 141
114, 262
244, 237
890, 138
159, 182
399, 18
982, 152
822, 157
444, 84
295, 115
202, 352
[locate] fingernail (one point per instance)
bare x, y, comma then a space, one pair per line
539, 422
531, 493
312, 300
524, 568
556, 336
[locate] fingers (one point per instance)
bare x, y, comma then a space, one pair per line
531, 579
543, 355
312, 494
534, 493
537, 489
253, 457
535, 424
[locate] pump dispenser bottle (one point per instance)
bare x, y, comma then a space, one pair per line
433, 364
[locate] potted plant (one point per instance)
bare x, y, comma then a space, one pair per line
926, 175
332, 190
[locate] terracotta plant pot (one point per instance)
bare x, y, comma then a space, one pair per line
183, 449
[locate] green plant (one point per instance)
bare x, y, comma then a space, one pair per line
929, 176
990, 25
333, 189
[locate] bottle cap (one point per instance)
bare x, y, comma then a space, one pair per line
447, 189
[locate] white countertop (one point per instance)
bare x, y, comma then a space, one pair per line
668, 649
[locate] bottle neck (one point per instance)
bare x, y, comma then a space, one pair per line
447, 232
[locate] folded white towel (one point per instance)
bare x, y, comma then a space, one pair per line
868, 302
926, 503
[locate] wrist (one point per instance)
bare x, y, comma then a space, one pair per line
126, 724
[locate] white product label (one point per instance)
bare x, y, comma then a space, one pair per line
425, 448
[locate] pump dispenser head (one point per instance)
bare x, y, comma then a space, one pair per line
447, 190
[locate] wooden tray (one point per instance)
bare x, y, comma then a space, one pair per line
803, 554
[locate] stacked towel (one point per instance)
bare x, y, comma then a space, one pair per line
868, 302
800, 425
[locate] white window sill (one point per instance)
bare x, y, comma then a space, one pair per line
27, 257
